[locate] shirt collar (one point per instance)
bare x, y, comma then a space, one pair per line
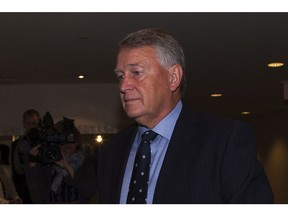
166, 126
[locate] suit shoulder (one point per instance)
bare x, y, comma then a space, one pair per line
211, 120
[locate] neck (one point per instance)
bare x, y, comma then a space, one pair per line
151, 121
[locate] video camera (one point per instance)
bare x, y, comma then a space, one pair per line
49, 139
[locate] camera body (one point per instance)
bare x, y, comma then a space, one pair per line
50, 140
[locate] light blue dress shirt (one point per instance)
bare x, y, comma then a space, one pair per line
158, 150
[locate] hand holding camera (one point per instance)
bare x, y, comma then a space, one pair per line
48, 140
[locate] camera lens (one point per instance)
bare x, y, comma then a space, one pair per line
50, 154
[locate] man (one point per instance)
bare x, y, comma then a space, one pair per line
195, 157
20, 152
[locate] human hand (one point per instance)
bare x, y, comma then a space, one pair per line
34, 151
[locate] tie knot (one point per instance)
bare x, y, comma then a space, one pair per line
149, 136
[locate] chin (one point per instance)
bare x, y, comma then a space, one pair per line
132, 111
133, 114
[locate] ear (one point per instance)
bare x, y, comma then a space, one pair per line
176, 73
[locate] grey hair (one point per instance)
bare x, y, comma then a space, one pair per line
168, 50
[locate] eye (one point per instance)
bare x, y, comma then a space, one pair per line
137, 73
119, 76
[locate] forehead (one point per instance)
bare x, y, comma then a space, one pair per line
144, 57
135, 55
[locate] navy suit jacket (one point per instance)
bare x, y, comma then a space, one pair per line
209, 160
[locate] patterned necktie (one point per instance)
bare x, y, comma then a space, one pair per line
140, 175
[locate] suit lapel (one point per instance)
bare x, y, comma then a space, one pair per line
184, 131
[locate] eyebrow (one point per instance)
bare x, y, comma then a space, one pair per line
130, 66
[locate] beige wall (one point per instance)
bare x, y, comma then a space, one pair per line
94, 107
272, 141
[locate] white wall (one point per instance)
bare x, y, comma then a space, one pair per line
93, 106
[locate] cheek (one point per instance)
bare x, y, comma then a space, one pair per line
152, 95
160, 88
121, 96
122, 100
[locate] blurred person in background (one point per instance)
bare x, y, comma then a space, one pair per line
69, 178
8, 193
20, 152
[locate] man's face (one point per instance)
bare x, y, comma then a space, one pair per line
31, 122
144, 85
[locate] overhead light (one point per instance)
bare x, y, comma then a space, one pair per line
275, 64
245, 113
81, 76
216, 95
99, 139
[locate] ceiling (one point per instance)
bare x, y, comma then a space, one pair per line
226, 53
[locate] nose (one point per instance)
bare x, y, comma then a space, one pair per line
126, 84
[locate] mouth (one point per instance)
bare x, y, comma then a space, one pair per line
130, 100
